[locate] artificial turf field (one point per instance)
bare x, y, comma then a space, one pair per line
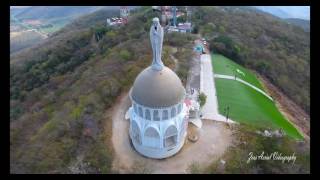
246, 105
225, 66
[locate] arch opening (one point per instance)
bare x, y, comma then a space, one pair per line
151, 138
171, 136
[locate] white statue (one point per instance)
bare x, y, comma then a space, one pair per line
156, 37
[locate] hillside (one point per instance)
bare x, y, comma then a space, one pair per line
301, 12
304, 24
268, 45
24, 39
61, 90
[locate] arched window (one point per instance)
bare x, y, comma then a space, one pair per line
135, 132
165, 115
148, 116
170, 136
179, 108
151, 138
140, 112
135, 108
156, 116
173, 112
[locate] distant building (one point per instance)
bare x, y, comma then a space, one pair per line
182, 27
115, 21
122, 20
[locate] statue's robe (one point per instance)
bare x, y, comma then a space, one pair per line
156, 37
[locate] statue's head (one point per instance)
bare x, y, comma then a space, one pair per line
155, 21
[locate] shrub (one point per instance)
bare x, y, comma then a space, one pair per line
124, 54
202, 98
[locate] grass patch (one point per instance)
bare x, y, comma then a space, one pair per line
249, 106
246, 105
225, 66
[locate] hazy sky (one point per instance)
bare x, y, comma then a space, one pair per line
302, 12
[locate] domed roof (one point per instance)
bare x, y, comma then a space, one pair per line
154, 88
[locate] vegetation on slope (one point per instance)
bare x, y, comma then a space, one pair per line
60, 93
277, 50
61, 90
248, 143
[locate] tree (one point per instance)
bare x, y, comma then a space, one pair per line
195, 29
263, 67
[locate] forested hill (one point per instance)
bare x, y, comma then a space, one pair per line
269, 45
61, 90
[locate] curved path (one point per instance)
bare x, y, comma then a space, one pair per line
244, 82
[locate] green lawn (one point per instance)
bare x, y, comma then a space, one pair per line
225, 66
246, 105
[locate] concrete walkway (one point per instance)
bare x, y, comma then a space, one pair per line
207, 86
244, 82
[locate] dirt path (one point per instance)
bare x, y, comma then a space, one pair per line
215, 138
120, 136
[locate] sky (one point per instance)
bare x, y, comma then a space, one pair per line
302, 12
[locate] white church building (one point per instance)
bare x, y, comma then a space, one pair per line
158, 115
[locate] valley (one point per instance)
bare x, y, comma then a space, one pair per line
31, 25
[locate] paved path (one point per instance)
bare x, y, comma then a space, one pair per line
207, 86
244, 82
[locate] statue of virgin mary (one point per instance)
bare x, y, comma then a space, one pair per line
156, 37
